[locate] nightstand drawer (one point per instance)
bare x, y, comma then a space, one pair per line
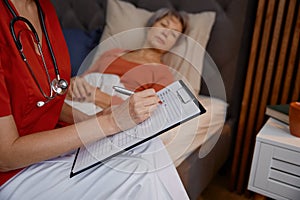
278, 171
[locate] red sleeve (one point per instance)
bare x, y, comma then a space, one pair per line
5, 110
4, 96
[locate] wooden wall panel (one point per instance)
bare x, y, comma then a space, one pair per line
273, 77
293, 65
283, 55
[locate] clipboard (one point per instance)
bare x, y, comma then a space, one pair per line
178, 106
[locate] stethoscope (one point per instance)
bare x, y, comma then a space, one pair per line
58, 86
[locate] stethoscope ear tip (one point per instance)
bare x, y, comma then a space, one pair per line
40, 103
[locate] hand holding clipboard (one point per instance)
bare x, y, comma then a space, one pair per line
178, 106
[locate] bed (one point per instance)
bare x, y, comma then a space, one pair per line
221, 27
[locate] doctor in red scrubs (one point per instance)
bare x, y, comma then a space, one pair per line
34, 158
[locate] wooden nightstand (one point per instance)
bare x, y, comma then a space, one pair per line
275, 169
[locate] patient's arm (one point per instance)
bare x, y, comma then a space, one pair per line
102, 99
80, 90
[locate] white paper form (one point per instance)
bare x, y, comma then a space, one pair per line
178, 105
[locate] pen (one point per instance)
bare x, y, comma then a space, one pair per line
126, 91
123, 90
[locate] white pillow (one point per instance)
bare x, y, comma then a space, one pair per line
123, 16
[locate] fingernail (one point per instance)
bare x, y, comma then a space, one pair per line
160, 102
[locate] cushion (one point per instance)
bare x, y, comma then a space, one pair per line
186, 58
80, 43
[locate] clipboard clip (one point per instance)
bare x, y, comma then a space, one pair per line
184, 95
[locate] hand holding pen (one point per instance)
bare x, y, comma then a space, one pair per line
139, 106
127, 92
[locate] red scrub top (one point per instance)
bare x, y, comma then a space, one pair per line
19, 92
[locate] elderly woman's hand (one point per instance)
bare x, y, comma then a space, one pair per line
80, 90
135, 109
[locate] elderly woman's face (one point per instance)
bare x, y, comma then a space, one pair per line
165, 33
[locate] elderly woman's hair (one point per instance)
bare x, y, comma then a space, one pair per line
159, 14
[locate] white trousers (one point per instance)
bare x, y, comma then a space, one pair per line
147, 172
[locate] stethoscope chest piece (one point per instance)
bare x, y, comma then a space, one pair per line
59, 86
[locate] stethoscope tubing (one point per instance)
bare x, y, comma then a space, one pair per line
58, 85
41, 16
47, 39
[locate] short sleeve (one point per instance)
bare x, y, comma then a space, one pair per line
5, 108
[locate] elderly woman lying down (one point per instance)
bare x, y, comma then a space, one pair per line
141, 69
